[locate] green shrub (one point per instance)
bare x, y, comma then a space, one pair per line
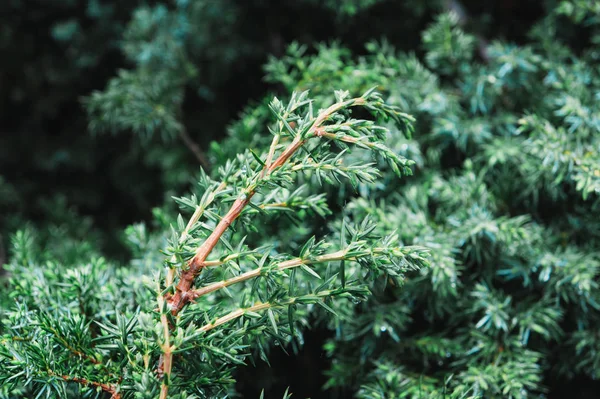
505, 164
505, 194
168, 328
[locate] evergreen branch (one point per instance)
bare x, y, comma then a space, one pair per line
399, 163
309, 298
108, 388
234, 315
195, 265
181, 296
48, 326
302, 130
71, 349
353, 252
335, 256
166, 361
271, 154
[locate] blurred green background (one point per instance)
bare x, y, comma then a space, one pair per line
57, 52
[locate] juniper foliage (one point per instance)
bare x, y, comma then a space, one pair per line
176, 327
504, 196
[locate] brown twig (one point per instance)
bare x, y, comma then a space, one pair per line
166, 360
194, 148
234, 315
108, 388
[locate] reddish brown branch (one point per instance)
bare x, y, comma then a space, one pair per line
181, 296
197, 263
76, 352
108, 388
183, 290
286, 155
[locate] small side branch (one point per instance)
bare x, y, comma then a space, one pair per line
194, 148
288, 264
235, 314
108, 388
167, 351
73, 350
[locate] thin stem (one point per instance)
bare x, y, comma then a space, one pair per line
344, 138
271, 154
201, 208
212, 263
194, 148
234, 315
112, 389
257, 308
288, 264
76, 352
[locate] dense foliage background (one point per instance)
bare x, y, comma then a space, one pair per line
109, 109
